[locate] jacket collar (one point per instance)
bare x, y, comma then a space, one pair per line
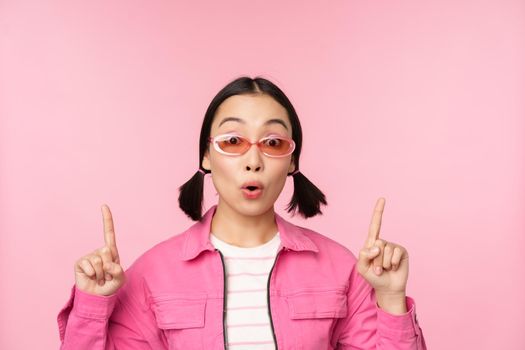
198, 236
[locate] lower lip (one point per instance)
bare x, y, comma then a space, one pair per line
251, 194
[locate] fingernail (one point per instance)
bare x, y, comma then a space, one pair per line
378, 270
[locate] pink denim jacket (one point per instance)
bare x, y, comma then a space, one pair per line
174, 299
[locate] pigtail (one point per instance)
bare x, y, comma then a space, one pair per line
191, 194
306, 198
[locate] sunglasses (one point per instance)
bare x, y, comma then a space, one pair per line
236, 145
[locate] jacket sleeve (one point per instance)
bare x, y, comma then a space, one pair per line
120, 321
368, 327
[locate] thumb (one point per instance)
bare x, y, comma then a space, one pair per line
114, 270
369, 253
366, 255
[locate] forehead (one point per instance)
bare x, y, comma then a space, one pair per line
251, 111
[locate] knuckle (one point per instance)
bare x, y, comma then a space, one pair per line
379, 243
86, 266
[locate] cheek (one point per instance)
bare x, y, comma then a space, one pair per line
223, 172
279, 173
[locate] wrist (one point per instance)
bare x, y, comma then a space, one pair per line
394, 303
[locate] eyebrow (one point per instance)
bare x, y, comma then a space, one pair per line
270, 121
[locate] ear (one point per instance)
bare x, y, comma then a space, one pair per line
206, 161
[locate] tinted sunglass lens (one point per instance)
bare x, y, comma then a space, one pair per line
232, 144
276, 146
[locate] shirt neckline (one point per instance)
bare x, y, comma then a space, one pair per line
262, 247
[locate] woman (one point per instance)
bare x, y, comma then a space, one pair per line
242, 277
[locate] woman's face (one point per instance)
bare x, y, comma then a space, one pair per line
229, 173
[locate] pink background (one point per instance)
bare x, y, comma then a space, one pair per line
102, 102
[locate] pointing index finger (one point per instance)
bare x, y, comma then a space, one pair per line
109, 231
375, 224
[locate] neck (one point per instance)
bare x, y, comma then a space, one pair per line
240, 229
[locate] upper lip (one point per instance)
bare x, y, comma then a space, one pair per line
257, 184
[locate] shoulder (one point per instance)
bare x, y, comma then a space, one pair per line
160, 254
328, 245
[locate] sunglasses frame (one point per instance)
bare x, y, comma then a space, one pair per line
216, 138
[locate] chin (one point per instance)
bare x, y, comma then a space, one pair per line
248, 207
255, 209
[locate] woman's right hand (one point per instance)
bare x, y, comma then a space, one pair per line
100, 272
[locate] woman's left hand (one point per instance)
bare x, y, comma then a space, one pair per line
391, 259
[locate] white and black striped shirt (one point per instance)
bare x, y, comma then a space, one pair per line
247, 269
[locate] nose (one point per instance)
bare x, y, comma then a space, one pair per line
253, 158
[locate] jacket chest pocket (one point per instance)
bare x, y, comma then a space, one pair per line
182, 319
313, 314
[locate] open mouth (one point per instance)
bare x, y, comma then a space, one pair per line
252, 191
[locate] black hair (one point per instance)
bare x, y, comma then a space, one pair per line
306, 198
